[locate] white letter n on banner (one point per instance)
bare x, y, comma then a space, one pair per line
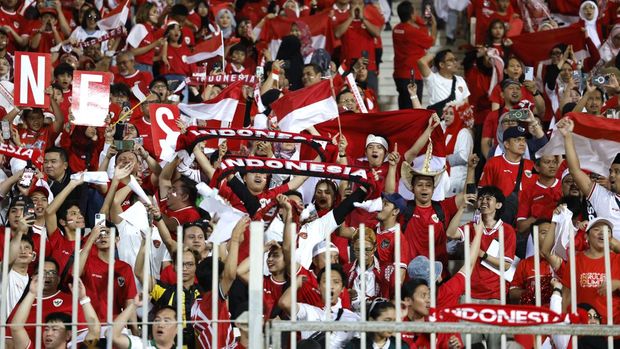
37, 84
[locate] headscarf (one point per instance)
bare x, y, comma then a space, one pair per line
608, 50
590, 25
463, 117
226, 32
290, 50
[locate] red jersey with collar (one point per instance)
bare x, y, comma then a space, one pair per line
47, 40
416, 233
410, 44
590, 275
272, 290
524, 278
201, 312
539, 201
484, 282
386, 254
95, 278
503, 174
59, 302
151, 36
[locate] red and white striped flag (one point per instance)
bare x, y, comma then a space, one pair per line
221, 108
306, 107
320, 26
535, 48
596, 138
115, 18
212, 47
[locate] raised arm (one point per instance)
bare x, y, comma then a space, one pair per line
393, 159
120, 172
546, 249
21, 340
116, 209
139, 267
90, 315
85, 251
474, 247
120, 340
166, 237
565, 127
203, 161
230, 267
424, 64
411, 154
165, 177
51, 222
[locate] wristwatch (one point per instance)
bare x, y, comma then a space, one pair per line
484, 256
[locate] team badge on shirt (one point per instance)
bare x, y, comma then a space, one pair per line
57, 302
121, 281
385, 243
528, 173
435, 218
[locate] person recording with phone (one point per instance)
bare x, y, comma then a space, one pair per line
358, 33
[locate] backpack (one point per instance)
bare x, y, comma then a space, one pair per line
436, 207
319, 336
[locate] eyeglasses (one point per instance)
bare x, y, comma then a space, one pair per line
594, 316
50, 273
188, 265
91, 16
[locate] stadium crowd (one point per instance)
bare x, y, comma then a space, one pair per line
481, 157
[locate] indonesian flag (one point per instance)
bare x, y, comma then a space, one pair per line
400, 127
221, 108
597, 140
320, 26
115, 18
306, 107
212, 47
534, 48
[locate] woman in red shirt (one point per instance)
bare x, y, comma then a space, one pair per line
173, 56
142, 40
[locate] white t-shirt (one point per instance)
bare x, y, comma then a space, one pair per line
129, 245
312, 233
307, 312
137, 343
80, 35
439, 88
605, 203
17, 285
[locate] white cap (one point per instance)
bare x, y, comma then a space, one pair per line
321, 247
600, 220
376, 139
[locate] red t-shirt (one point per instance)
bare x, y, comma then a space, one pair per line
590, 274
484, 282
309, 292
145, 132
47, 40
416, 233
41, 139
61, 248
496, 95
60, 302
151, 36
272, 290
503, 174
386, 250
95, 278
183, 215
15, 21
201, 312
357, 39
539, 201
176, 57
131, 79
524, 278
264, 198
491, 123
410, 44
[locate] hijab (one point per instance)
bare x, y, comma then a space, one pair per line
608, 50
590, 25
290, 50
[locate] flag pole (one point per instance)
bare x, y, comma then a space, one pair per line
331, 86
124, 116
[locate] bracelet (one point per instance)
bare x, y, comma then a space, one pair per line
342, 155
275, 76
557, 289
414, 97
484, 256
85, 300
157, 218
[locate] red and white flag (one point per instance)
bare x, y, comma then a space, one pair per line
115, 18
306, 107
221, 108
597, 140
535, 48
212, 47
320, 26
